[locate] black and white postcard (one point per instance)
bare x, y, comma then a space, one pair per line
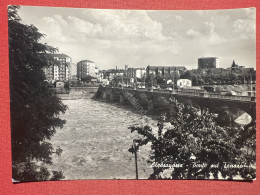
132, 94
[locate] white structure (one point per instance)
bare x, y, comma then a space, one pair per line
140, 72
96, 70
105, 81
135, 72
60, 70
184, 83
56, 72
169, 82
85, 68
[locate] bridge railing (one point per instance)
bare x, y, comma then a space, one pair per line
217, 96
240, 98
206, 95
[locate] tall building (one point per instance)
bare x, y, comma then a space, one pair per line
209, 62
60, 70
85, 68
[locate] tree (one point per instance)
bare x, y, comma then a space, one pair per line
117, 79
67, 86
187, 75
150, 80
34, 106
87, 79
197, 147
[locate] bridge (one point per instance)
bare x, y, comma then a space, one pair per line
160, 99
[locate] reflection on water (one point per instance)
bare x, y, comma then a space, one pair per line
96, 139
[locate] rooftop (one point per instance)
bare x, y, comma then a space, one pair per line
209, 58
60, 55
86, 61
166, 67
115, 71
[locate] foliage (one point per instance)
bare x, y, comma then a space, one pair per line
118, 80
160, 80
67, 86
219, 77
196, 142
150, 80
87, 79
57, 175
34, 106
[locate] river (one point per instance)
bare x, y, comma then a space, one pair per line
95, 141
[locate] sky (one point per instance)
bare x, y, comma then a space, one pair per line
138, 38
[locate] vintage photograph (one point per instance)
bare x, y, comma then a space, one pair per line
132, 94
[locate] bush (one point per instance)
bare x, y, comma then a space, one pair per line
203, 148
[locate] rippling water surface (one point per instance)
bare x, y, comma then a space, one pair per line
96, 139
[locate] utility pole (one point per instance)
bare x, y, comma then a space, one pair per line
173, 79
251, 88
136, 166
151, 83
122, 80
135, 81
134, 150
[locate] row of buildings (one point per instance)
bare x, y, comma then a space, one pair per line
61, 69
87, 67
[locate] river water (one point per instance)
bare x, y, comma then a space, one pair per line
96, 139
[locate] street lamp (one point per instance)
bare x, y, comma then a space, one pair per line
134, 149
151, 84
173, 79
122, 80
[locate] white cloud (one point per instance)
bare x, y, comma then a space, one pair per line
212, 36
246, 28
134, 37
122, 24
193, 33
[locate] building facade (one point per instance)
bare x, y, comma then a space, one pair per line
111, 73
60, 70
209, 62
85, 68
165, 70
135, 72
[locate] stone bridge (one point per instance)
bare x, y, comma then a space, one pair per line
159, 99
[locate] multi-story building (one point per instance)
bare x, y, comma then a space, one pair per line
85, 68
209, 62
135, 72
60, 70
164, 70
101, 75
73, 70
111, 73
